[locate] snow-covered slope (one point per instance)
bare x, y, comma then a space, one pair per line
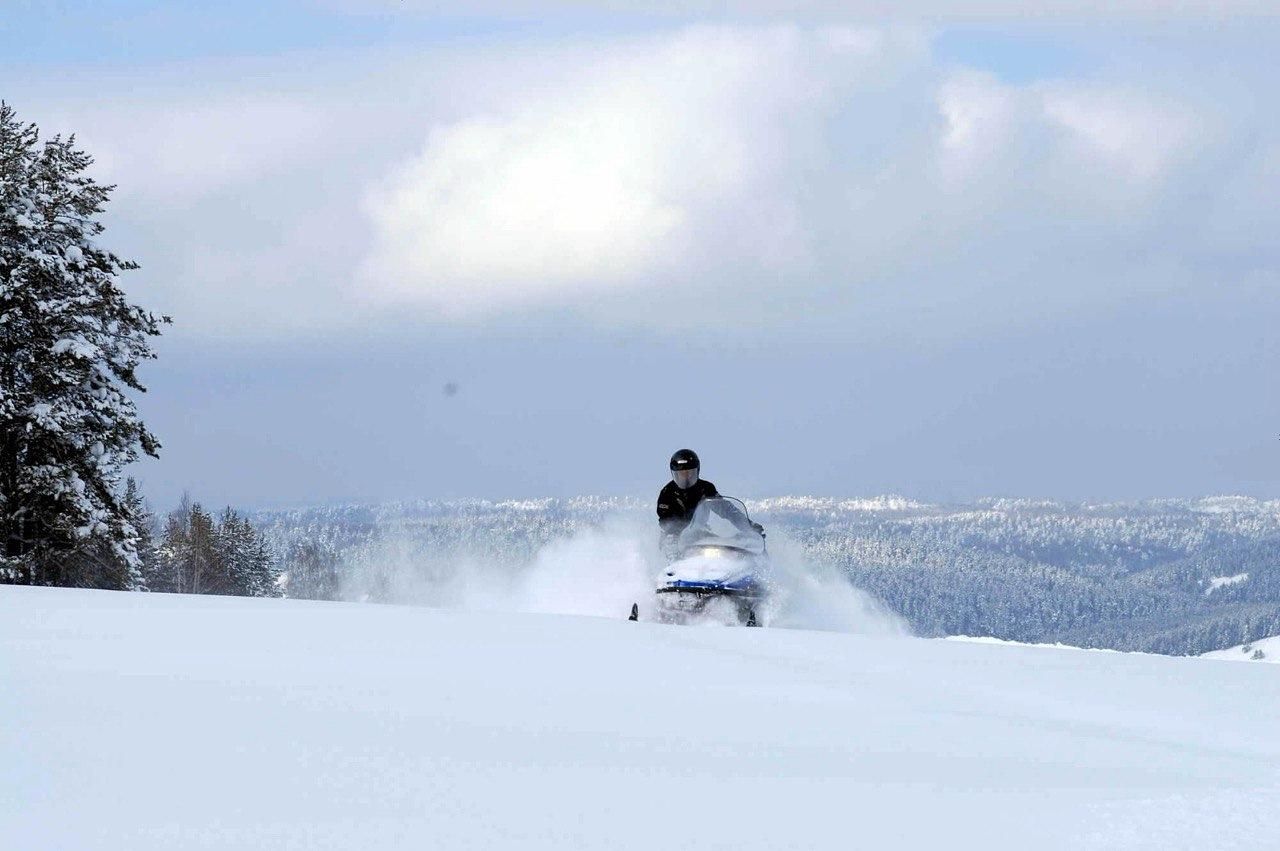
1264, 650
134, 721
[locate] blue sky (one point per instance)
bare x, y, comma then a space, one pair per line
140, 31
60, 33
965, 251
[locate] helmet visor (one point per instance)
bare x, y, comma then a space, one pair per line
685, 478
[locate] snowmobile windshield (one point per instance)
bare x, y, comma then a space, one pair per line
685, 479
721, 522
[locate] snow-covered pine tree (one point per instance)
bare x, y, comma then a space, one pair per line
246, 558
201, 566
231, 543
167, 570
264, 566
144, 523
70, 344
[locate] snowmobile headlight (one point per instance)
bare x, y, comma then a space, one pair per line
711, 552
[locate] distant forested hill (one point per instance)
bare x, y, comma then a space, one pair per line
1165, 576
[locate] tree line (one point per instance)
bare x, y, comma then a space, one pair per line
199, 553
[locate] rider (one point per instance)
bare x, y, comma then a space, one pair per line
681, 496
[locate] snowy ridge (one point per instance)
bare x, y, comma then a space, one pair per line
1263, 650
1235, 505
282, 724
829, 504
986, 639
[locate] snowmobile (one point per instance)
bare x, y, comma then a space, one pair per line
719, 571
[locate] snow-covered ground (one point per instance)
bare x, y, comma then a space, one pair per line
1263, 650
1225, 582
135, 721
987, 639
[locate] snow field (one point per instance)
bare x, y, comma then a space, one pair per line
1262, 650
148, 721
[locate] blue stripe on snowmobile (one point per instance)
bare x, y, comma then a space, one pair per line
690, 585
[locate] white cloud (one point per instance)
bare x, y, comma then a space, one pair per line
980, 116
768, 175
748, 171
519, 208
181, 145
609, 180
1138, 136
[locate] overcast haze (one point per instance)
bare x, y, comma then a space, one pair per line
967, 251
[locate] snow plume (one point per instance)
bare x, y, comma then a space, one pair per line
598, 570
811, 595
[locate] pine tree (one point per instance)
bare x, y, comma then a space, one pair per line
232, 545
168, 574
201, 566
248, 564
144, 524
264, 566
70, 344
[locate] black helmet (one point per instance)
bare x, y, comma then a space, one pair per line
685, 459
684, 468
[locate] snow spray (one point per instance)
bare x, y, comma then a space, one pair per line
599, 571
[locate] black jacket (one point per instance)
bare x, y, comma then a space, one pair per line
676, 505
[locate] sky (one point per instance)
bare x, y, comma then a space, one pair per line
945, 250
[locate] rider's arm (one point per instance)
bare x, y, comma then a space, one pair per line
667, 507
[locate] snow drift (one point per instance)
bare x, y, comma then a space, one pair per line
149, 721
